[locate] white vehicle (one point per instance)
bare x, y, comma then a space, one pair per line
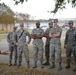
44, 27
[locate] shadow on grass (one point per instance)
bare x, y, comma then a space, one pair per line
6, 70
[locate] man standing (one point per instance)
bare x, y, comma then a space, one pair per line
70, 43
47, 45
12, 46
22, 44
55, 44
75, 53
37, 35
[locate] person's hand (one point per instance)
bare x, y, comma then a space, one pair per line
50, 35
12, 42
17, 44
26, 43
65, 46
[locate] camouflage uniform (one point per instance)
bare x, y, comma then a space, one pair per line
12, 47
55, 45
22, 47
47, 45
74, 52
70, 41
38, 45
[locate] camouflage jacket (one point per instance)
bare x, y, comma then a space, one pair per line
22, 40
11, 38
55, 30
38, 31
70, 38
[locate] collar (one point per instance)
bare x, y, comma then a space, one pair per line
55, 26
21, 30
37, 28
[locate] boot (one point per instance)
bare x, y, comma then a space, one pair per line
28, 65
52, 66
68, 65
60, 67
35, 65
46, 63
42, 65
10, 63
15, 63
19, 64
74, 69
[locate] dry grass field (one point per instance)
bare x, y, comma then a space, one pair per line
6, 70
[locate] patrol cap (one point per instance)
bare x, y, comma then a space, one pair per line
50, 23
70, 22
21, 24
55, 20
38, 23
14, 27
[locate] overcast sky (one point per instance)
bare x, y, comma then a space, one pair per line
39, 8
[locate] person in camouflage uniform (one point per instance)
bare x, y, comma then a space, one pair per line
12, 46
55, 44
37, 35
47, 44
75, 52
22, 44
70, 43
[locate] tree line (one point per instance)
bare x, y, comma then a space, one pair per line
8, 17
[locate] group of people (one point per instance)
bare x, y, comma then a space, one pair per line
19, 44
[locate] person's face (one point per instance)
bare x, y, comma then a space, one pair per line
37, 25
70, 25
21, 27
50, 25
55, 23
14, 29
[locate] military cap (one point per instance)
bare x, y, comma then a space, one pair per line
21, 24
14, 27
50, 23
38, 22
55, 20
70, 22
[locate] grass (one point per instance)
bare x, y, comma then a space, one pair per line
29, 30
63, 29
6, 70
4, 31
31, 54
72, 61
3, 36
62, 46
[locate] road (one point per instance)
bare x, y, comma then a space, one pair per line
3, 45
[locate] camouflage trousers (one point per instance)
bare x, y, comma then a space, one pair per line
47, 50
69, 51
38, 49
23, 49
11, 49
55, 48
